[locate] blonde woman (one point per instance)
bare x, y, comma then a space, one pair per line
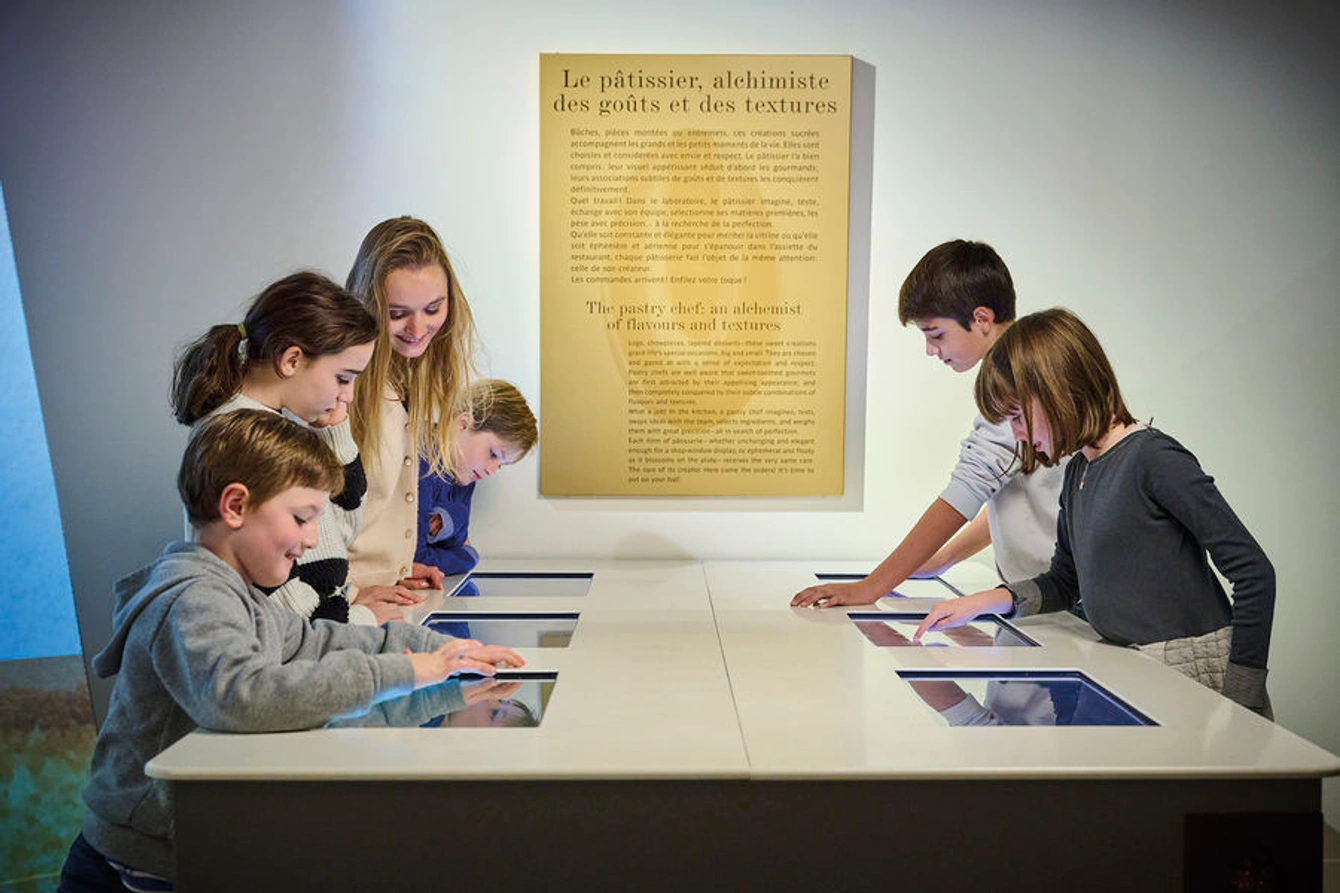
421, 368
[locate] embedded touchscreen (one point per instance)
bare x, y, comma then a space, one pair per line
511, 699
490, 584
529, 630
896, 630
933, 587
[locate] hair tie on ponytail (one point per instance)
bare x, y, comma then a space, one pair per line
242, 345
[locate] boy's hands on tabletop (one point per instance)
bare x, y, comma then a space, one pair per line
830, 595
460, 656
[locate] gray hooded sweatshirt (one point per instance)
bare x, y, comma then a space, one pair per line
193, 647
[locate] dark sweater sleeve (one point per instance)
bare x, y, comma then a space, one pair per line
1177, 484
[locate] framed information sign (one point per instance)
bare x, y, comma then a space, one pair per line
693, 274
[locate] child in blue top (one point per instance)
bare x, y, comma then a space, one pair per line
1137, 517
497, 428
195, 645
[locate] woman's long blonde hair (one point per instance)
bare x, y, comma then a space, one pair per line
431, 386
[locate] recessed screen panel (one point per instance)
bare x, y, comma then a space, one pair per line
932, 587
502, 585
511, 699
548, 630
1020, 698
889, 630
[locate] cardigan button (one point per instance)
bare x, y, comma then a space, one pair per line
409, 497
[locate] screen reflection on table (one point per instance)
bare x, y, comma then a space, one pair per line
489, 703
508, 700
1020, 698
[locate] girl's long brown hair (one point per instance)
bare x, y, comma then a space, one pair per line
304, 310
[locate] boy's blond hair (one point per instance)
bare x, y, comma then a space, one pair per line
1052, 356
497, 406
261, 450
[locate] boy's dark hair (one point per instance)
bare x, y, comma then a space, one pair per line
954, 278
261, 450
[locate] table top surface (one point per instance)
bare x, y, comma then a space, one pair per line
685, 669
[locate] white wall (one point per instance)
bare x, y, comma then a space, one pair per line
1169, 171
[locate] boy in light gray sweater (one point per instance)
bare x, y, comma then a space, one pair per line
195, 645
961, 296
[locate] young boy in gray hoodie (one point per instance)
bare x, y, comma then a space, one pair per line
195, 645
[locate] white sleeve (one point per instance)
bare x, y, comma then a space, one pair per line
296, 596
986, 462
362, 614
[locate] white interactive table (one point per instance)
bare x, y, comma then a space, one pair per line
703, 734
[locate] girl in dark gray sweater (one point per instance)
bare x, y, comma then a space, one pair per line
1138, 517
